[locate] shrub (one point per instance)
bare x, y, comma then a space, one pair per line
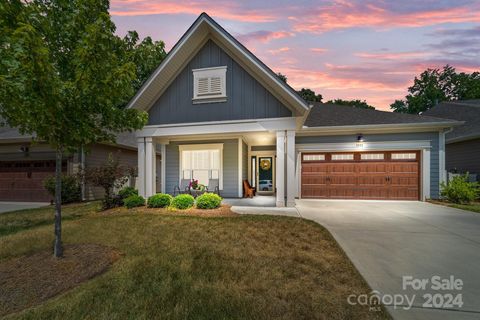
209, 201
160, 200
71, 190
127, 192
134, 201
459, 190
183, 201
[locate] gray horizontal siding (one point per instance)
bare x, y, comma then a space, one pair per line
230, 166
464, 156
246, 97
429, 136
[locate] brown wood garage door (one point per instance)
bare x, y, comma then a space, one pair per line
23, 180
361, 175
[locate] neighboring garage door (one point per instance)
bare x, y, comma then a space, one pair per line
23, 180
361, 175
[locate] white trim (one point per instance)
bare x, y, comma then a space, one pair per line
298, 175
222, 122
141, 166
441, 157
163, 167
280, 172
150, 174
201, 146
290, 162
240, 167
382, 128
426, 162
365, 146
219, 128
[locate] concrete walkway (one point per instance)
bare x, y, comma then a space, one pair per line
6, 206
387, 240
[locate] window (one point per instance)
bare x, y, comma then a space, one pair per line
372, 156
313, 157
342, 156
201, 162
404, 156
209, 85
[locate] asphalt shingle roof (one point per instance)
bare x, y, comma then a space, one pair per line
466, 110
327, 114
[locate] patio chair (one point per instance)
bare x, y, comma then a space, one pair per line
184, 187
213, 186
248, 190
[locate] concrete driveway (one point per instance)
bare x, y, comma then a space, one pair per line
387, 240
6, 206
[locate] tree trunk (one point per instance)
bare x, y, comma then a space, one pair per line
58, 249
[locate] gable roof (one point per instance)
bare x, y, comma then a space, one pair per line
334, 115
467, 111
200, 31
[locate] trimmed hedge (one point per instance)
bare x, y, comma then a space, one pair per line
209, 201
127, 192
460, 190
71, 190
134, 201
160, 200
183, 201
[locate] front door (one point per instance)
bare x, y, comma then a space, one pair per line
265, 174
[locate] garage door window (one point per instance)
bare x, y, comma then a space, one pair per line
404, 156
339, 157
372, 156
313, 157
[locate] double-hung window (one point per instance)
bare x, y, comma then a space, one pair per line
201, 162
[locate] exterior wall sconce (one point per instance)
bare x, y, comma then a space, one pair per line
360, 138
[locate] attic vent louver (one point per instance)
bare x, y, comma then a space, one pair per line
209, 85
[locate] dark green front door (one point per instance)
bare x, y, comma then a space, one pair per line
265, 174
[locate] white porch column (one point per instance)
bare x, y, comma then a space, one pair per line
141, 166
290, 161
163, 166
280, 169
150, 172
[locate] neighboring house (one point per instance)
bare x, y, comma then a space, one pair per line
463, 142
217, 112
25, 165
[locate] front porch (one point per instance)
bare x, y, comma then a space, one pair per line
260, 152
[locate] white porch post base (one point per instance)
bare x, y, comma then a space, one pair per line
290, 162
141, 166
280, 169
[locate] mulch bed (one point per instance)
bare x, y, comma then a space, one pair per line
30, 280
223, 211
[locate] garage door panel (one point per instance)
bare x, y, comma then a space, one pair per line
368, 177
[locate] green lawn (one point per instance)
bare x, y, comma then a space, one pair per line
474, 206
185, 267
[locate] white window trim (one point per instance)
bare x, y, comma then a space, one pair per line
220, 72
192, 147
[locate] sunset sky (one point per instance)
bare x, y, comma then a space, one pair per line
342, 49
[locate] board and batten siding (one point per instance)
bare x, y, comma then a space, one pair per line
230, 166
419, 136
246, 97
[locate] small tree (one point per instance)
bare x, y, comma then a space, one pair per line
64, 76
109, 176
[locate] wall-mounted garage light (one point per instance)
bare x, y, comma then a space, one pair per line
360, 137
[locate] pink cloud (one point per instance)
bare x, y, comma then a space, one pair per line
392, 55
319, 50
279, 50
264, 36
226, 10
343, 14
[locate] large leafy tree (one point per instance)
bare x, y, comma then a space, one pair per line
436, 85
310, 95
64, 76
357, 103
